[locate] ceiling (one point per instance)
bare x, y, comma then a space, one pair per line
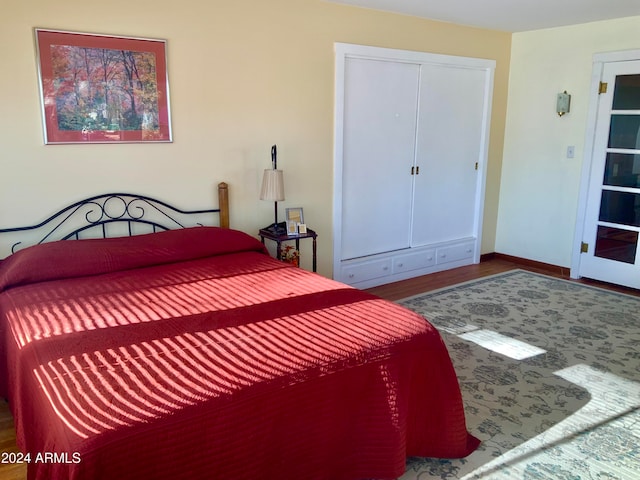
507, 15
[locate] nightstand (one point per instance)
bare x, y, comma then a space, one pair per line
282, 236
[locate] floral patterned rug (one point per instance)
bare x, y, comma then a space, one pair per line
550, 375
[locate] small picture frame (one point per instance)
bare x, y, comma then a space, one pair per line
294, 215
302, 228
292, 227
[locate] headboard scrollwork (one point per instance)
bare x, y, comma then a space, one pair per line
114, 215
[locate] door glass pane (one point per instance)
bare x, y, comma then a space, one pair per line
625, 131
620, 207
626, 95
622, 170
616, 244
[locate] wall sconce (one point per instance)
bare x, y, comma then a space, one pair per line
563, 103
273, 189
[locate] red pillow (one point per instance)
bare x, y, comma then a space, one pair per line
77, 258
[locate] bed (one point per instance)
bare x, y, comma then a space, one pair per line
191, 353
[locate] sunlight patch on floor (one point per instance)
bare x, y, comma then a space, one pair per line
605, 433
489, 339
496, 342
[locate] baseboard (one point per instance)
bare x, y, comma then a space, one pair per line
525, 262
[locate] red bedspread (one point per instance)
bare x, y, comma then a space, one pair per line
172, 358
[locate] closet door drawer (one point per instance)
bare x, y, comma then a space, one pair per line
454, 253
366, 271
414, 261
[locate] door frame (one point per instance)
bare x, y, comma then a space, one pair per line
599, 60
343, 51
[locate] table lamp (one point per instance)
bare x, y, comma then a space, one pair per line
273, 189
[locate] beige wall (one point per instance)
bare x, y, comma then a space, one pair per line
244, 74
540, 186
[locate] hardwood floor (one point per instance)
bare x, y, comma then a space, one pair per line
490, 265
9, 471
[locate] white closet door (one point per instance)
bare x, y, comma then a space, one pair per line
380, 115
450, 142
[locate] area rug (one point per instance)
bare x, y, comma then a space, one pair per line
550, 376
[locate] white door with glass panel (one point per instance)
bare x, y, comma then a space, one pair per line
612, 216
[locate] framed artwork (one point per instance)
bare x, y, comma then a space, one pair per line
102, 88
292, 227
294, 217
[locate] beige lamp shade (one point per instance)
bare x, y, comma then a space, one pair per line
272, 186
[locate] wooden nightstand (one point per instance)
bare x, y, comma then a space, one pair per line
281, 236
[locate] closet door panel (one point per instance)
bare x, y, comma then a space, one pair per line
449, 142
380, 115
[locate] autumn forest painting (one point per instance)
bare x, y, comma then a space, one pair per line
100, 88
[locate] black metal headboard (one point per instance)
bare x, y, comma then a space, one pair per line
113, 215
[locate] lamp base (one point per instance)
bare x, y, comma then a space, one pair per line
276, 228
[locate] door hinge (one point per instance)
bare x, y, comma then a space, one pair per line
602, 88
584, 247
